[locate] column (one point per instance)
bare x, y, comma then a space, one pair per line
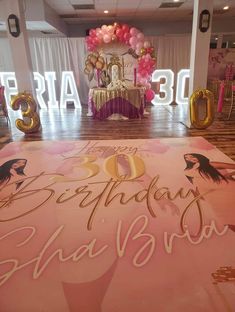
200, 46
20, 47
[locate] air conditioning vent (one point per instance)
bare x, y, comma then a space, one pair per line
219, 12
68, 15
83, 6
170, 5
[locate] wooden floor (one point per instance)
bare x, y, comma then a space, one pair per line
162, 121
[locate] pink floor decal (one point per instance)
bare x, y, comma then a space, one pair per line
132, 225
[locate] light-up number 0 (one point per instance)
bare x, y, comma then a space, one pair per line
167, 86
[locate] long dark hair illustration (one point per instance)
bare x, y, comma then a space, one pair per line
205, 169
13, 167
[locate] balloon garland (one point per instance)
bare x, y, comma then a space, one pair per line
139, 48
29, 112
194, 109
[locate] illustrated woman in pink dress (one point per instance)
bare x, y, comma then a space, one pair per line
215, 180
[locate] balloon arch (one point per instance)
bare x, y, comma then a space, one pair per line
139, 47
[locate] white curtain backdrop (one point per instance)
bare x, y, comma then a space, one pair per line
69, 54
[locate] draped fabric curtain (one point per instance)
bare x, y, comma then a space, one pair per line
69, 54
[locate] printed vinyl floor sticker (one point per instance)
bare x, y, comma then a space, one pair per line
131, 225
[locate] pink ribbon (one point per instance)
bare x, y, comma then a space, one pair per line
221, 98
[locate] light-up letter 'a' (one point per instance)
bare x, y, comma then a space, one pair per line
69, 82
166, 87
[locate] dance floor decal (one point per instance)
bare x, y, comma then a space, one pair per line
126, 225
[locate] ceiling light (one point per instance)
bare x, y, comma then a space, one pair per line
216, 38
233, 42
176, 0
226, 7
106, 11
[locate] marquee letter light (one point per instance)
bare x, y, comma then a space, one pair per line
5, 78
68, 81
182, 75
31, 121
50, 79
40, 89
166, 87
195, 106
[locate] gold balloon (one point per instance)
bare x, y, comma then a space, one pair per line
29, 112
101, 59
142, 51
89, 67
93, 60
99, 65
195, 106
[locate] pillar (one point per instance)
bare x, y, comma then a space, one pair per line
200, 46
20, 47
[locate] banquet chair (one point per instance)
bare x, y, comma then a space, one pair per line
232, 100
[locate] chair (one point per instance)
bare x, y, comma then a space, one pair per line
232, 100
115, 68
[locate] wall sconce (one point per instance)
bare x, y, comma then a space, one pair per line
13, 25
204, 22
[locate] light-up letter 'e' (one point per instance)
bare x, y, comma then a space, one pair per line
5, 78
68, 81
183, 74
166, 87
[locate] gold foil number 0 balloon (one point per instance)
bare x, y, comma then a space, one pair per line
31, 121
195, 107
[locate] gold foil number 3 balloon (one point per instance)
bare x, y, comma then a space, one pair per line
31, 120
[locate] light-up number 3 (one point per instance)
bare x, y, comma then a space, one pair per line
167, 86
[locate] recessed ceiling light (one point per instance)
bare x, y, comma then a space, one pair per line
233, 42
216, 38
176, 0
106, 11
226, 7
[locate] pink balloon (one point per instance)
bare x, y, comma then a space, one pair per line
148, 85
125, 28
134, 31
104, 27
147, 44
133, 41
107, 38
119, 32
140, 36
127, 36
149, 95
97, 30
110, 29
92, 32
139, 45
